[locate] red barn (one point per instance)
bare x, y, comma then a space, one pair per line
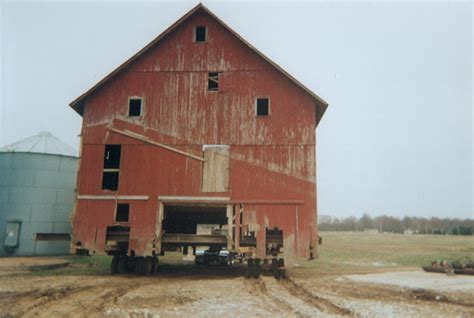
197, 140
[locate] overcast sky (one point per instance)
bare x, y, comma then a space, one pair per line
397, 138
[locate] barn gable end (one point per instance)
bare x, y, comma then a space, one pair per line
184, 63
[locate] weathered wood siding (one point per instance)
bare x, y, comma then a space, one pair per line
270, 158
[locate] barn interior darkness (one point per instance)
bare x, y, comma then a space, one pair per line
185, 219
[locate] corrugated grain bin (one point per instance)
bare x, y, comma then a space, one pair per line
37, 182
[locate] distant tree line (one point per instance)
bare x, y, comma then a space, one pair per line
407, 225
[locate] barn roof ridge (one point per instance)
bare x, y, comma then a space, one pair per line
77, 104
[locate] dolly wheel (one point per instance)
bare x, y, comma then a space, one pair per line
281, 268
250, 268
113, 265
256, 268
275, 270
154, 265
122, 265
147, 268
139, 265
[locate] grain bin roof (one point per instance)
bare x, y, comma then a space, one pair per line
44, 143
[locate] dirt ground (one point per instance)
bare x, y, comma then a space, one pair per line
313, 289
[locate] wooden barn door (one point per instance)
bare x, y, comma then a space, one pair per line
215, 177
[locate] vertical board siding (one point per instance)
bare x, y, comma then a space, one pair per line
270, 158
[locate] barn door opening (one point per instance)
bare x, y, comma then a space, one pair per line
199, 220
194, 225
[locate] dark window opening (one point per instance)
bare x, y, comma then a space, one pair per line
135, 107
262, 107
200, 34
52, 237
110, 180
122, 212
112, 156
213, 82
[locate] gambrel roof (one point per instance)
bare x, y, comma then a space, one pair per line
78, 103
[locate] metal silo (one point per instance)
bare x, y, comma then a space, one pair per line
37, 182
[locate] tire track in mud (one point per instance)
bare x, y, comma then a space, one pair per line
37, 298
81, 300
257, 288
323, 304
292, 299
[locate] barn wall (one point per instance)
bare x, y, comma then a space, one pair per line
271, 158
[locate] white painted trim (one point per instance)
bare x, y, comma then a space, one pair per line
113, 197
194, 199
204, 147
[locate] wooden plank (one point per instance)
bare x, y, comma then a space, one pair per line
230, 226
155, 143
238, 231
215, 177
269, 202
113, 197
159, 226
193, 239
192, 199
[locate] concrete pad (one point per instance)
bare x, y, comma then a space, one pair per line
419, 279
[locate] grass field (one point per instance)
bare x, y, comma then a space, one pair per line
360, 252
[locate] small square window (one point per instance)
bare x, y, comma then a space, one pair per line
200, 34
213, 82
263, 107
110, 180
122, 212
135, 107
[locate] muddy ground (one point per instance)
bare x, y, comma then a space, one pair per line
336, 284
193, 291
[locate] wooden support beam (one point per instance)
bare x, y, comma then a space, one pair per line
269, 202
142, 138
193, 239
193, 199
113, 197
230, 226
159, 226
238, 230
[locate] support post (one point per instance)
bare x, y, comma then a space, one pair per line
230, 225
238, 233
159, 226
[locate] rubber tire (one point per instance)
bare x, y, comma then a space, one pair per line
281, 263
122, 265
113, 265
131, 262
256, 268
154, 265
147, 266
139, 265
250, 268
275, 271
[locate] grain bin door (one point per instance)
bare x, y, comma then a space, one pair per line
215, 177
12, 232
